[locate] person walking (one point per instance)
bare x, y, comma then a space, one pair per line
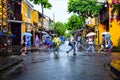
109, 44
103, 44
91, 44
24, 43
47, 43
56, 42
78, 38
72, 43
37, 41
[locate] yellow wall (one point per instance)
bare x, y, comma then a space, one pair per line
115, 32
34, 17
102, 28
25, 18
114, 28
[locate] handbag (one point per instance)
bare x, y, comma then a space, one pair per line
69, 43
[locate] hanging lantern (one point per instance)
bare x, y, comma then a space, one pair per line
13, 3
19, 3
110, 5
111, 19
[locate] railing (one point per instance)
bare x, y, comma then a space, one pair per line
16, 16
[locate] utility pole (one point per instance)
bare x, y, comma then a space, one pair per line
42, 21
53, 16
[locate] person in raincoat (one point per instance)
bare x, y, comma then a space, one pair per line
109, 43
37, 41
56, 42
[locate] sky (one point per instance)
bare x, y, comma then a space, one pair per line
58, 12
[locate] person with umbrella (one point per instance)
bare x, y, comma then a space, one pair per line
28, 38
109, 43
91, 41
91, 44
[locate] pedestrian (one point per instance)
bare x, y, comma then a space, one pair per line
72, 43
57, 42
52, 45
103, 43
109, 45
37, 41
78, 38
47, 43
24, 43
91, 44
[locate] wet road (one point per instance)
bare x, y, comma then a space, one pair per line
42, 65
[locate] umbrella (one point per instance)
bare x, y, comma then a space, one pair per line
105, 33
43, 32
1, 34
46, 35
12, 36
54, 34
77, 31
27, 34
91, 34
107, 36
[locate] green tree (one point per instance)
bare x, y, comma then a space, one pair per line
75, 22
59, 28
84, 8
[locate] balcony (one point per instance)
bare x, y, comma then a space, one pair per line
18, 16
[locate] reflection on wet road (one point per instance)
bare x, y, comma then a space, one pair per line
42, 65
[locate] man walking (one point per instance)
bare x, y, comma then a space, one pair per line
72, 44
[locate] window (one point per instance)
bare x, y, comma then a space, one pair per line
29, 13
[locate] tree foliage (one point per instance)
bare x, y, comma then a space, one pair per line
75, 22
116, 8
84, 8
44, 3
59, 28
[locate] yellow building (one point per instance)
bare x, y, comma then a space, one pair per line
27, 10
24, 19
3, 14
105, 24
114, 25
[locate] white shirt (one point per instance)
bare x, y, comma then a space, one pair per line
71, 38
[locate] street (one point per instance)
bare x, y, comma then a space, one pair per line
25, 25
41, 65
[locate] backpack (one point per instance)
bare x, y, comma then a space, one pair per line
111, 42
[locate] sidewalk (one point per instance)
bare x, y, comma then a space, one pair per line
10, 58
